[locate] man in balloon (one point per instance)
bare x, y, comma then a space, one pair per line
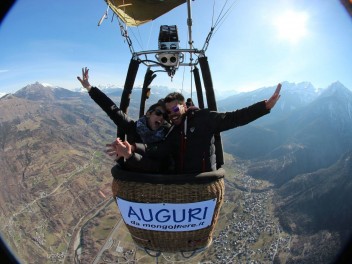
190, 140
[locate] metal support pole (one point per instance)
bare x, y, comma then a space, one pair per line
148, 78
198, 88
209, 90
189, 24
127, 90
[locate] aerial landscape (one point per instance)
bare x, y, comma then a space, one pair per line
57, 204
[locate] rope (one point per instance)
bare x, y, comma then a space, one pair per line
223, 18
156, 255
191, 255
219, 21
138, 39
150, 34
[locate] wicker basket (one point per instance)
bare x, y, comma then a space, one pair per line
136, 187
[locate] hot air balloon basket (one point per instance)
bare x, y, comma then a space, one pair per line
174, 216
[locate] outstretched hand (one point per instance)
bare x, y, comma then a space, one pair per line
274, 98
111, 149
84, 81
119, 149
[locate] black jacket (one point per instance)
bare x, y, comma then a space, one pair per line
122, 121
192, 143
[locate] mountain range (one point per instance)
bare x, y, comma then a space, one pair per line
296, 138
303, 147
320, 199
53, 167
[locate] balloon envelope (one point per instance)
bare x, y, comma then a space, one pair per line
137, 12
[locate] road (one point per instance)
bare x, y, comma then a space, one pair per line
109, 242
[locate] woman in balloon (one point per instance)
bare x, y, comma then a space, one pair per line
148, 129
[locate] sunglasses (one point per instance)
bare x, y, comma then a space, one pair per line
175, 109
158, 112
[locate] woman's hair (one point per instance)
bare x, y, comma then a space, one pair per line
174, 96
160, 103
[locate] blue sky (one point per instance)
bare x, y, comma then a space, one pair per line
259, 44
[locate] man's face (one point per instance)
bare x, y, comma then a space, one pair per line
156, 118
175, 111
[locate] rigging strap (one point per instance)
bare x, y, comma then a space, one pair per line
124, 34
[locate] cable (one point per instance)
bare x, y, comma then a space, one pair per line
219, 21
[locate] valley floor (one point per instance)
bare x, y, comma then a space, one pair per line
247, 231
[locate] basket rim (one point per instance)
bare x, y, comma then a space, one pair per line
119, 173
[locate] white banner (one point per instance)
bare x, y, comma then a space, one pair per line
166, 216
